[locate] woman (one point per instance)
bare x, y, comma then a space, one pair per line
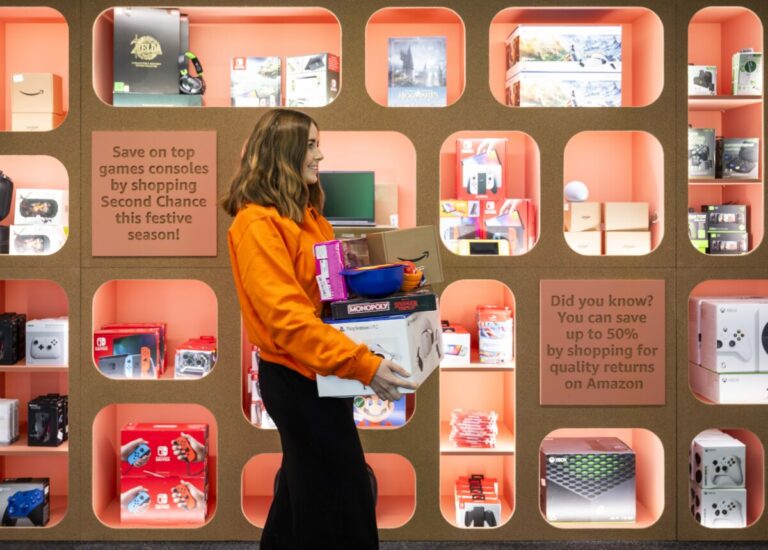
323, 495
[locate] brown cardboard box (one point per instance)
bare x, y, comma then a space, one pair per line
626, 216
386, 204
36, 93
35, 122
418, 244
588, 243
582, 216
627, 243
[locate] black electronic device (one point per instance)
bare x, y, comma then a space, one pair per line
191, 84
13, 337
47, 420
705, 80
371, 479
6, 195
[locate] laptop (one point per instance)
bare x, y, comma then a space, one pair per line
349, 198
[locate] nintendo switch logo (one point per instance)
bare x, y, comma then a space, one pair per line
238, 63
101, 341
162, 450
162, 498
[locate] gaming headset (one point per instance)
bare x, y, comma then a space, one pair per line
188, 84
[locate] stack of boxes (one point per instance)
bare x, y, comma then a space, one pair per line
718, 494
719, 229
477, 501
36, 102
164, 474
626, 227
564, 66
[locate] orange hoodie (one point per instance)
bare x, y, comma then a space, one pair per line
273, 264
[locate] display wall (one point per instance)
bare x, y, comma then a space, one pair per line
408, 146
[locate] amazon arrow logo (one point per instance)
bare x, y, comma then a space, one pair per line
39, 92
424, 256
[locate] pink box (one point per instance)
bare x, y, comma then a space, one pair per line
329, 263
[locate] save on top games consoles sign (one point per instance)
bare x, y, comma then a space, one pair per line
153, 193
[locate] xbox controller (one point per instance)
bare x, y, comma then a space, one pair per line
45, 347
21, 503
736, 342
188, 454
727, 511
139, 453
727, 471
184, 497
138, 502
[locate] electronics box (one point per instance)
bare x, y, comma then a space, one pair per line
36, 240
163, 327
41, 206
169, 449
583, 216
740, 158
512, 220
128, 352
47, 341
412, 341
477, 501
398, 303
701, 152
255, 82
372, 412
722, 218
495, 335
480, 168
729, 389
172, 501
456, 346
627, 243
697, 226
417, 72
157, 100
13, 335
35, 122
694, 321
195, 358
588, 243
728, 243
311, 80
25, 501
719, 508
626, 216
530, 89
146, 50
9, 421
747, 73
483, 247
564, 49
330, 261
417, 244
36, 93
459, 220
702, 80
732, 335
587, 479
718, 462
47, 421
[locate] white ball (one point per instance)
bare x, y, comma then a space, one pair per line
576, 191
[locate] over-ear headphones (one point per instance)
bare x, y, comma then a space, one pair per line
188, 84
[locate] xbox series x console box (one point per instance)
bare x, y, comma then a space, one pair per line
701, 152
255, 82
738, 158
531, 89
719, 508
747, 73
25, 501
587, 479
731, 389
146, 50
9, 421
47, 341
311, 80
717, 461
417, 72
702, 80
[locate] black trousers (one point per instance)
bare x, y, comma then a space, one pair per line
323, 498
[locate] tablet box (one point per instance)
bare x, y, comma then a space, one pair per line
582, 216
627, 243
626, 216
722, 218
41, 206
531, 89
25, 490
456, 346
163, 500
728, 243
588, 243
747, 73
47, 341
738, 158
741, 388
35, 122
311, 80
417, 244
412, 341
255, 82
701, 152
33, 240
165, 455
480, 168
702, 80
36, 93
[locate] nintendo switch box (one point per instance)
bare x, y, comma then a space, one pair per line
129, 353
170, 449
511, 220
151, 325
370, 411
25, 501
170, 500
480, 168
255, 82
456, 346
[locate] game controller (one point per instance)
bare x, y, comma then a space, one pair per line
45, 347
25, 504
146, 362
727, 511
478, 517
137, 503
727, 471
139, 453
188, 454
184, 496
195, 362
735, 341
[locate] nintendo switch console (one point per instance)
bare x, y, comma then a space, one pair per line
24, 502
717, 461
719, 508
47, 341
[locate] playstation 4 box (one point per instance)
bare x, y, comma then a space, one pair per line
25, 501
702, 80
311, 80
399, 303
532, 89
701, 152
47, 341
417, 72
255, 82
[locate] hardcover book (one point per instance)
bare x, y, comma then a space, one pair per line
417, 68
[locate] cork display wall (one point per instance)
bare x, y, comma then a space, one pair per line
602, 343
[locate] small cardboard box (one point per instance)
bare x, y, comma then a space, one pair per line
747, 73
35, 122
588, 243
255, 82
701, 152
36, 93
311, 80
171, 501
582, 216
417, 244
164, 449
702, 80
626, 216
412, 341
456, 346
627, 243
728, 243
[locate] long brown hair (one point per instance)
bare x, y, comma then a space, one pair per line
271, 166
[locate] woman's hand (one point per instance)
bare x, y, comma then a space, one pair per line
388, 378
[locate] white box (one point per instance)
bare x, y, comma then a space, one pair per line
9, 421
531, 89
719, 508
694, 321
702, 80
412, 341
718, 461
588, 243
32, 240
41, 206
627, 243
582, 216
626, 216
731, 389
47, 341
747, 73
731, 335
255, 82
311, 80
456, 346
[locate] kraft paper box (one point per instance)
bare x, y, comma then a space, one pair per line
255, 82
386, 205
311, 80
418, 244
588, 243
583, 216
35, 122
531, 89
36, 93
627, 243
626, 216
702, 80
412, 341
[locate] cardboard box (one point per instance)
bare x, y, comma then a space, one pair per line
36, 93
417, 244
456, 346
167, 449
731, 389
747, 73
41, 206
386, 204
147, 46
33, 240
724, 218
531, 89
255, 82
728, 243
35, 122
311, 80
512, 220
480, 168
719, 508
587, 243
738, 158
702, 80
417, 72
627, 243
47, 341
25, 501
412, 341
583, 216
626, 216
171, 501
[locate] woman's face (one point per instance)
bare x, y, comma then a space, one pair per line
310, 167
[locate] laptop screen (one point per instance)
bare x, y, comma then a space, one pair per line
349, 197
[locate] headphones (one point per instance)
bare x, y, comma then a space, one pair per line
188, 84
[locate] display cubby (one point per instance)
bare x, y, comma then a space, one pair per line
105, 477
395, 479
217, 34
714, 34
399, 22
649, 474
642, 45
626, 166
